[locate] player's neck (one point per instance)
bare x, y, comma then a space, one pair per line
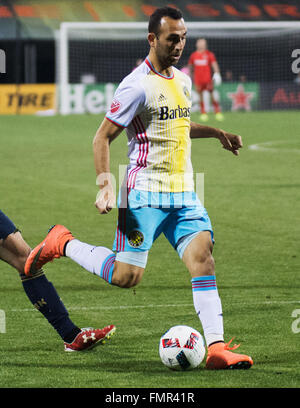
158, 66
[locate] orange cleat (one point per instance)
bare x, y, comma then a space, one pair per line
220, 357
51, 247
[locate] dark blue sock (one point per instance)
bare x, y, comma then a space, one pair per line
44, 297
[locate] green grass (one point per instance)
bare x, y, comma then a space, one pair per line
47, 176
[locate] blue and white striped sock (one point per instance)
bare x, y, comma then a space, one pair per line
203, 283
108, 268
95, 259
208, 307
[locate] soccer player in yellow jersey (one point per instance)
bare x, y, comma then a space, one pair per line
153, 103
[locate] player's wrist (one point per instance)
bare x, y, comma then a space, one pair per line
220, 134
103, 180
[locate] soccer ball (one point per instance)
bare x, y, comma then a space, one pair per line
181, 348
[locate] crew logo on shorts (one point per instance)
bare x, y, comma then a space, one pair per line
135, 238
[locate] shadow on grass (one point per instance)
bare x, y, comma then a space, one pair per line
126, 366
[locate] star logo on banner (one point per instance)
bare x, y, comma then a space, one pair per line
240, 98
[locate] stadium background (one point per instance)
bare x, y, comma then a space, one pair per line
27, 35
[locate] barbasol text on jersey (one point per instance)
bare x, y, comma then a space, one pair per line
166, 113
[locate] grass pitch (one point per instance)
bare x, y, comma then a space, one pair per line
47, 177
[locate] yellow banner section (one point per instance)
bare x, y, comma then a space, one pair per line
26, 99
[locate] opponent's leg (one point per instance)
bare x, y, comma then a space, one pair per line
46, 300
42, 294
199, 260
14, 250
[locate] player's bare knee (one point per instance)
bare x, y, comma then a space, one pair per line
203, 264
126, 276
200, 261
126, 281
198, 255
132, 280
209, 264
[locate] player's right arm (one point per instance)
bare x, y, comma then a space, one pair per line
105, 134
128, 101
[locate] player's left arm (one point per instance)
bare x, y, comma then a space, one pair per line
228, 140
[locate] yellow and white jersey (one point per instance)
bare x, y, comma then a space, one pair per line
155, 110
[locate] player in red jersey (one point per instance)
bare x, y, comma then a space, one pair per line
202, 63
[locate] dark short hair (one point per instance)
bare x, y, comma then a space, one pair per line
159, 13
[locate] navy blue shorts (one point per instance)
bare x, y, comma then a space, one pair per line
7, 227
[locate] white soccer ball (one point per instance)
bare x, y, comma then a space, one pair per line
181, 348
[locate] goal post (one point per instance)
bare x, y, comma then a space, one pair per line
88, 31
255, 58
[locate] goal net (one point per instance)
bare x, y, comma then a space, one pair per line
259, 63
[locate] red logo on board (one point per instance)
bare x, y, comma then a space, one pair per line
115, 106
